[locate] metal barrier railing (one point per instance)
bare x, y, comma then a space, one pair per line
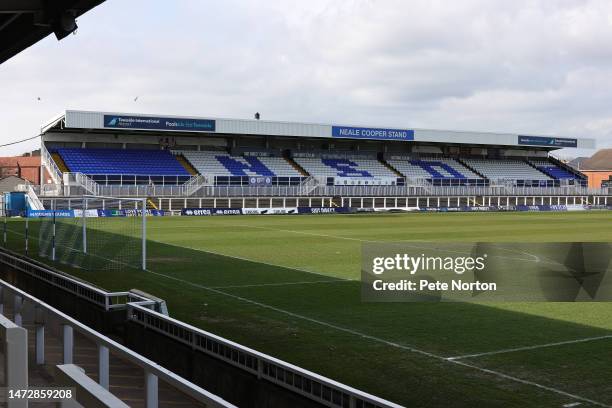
209, 191
140, 310
83, 290
106, 347
306, 383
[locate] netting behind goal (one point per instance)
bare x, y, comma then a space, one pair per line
94, 233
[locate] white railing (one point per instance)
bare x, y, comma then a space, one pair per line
105, 300
49, 164
106, 347
33, 200
321, 389
308, 185
142, 311
14, 344
79, 180
208, 191
88, 393
194, 184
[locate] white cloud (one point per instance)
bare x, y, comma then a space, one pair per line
540, 67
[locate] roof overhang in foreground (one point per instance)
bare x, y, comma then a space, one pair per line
25, 22
73, 121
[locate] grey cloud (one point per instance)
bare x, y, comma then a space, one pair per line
522, 66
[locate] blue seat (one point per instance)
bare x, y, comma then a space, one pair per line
557, 173
430, 166
239, 166
143, 163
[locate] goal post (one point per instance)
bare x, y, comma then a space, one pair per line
94, 232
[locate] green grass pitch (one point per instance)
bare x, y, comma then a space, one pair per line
288, 286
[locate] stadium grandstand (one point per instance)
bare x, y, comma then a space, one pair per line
67, 259
176, 160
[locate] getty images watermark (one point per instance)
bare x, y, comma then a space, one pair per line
494, 272
419, 264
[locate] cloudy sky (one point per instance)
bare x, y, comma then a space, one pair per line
531, 67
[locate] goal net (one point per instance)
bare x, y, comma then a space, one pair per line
94, 233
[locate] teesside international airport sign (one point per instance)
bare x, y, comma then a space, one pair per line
158, 123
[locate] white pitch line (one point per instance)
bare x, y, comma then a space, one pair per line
383, 341
386, 342
306, 233
296, 315
240, 258
534, 384
257, 285
299, 232
332, 279
535, 347
535, 258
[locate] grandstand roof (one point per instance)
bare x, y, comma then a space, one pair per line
74, 121
600, 161
25, 22
577, 162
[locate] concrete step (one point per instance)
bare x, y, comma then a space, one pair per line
126, 378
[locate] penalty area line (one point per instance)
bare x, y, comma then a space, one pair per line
388, 343
526, 348
373, 338
240, 258
258, 285
531, 383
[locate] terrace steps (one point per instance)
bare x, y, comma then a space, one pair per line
126, 380
296, 166
61, 165
151, 203
185, 163
464, 163
390, 167
539, 169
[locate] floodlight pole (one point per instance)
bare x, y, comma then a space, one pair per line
144, 234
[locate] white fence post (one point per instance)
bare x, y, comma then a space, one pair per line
151, 390
15, 347
40, 344
103, 366
68, 344
17, 303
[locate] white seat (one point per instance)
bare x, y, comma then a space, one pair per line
414, 171
509, 169
316, 167
207, 162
